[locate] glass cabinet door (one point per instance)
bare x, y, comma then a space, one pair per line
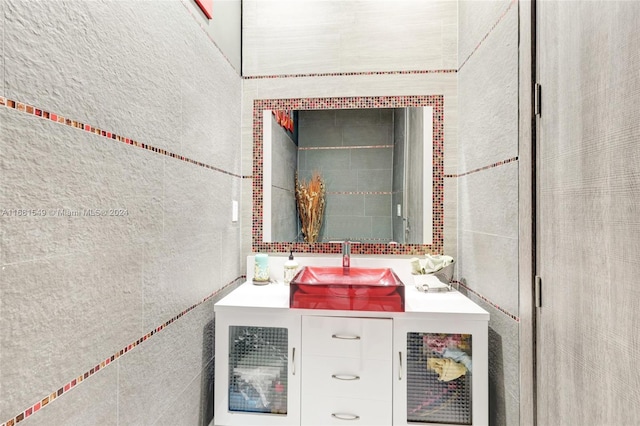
438, 378
258, 369
440, 372
257, 366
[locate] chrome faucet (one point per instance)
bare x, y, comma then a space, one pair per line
346, 255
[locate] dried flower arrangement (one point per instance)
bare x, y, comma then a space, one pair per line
310, 200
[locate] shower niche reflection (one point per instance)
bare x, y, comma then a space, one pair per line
377, 165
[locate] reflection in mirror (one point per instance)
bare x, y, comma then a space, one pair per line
376, 164
375, 176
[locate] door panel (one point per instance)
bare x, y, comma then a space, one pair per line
588, 213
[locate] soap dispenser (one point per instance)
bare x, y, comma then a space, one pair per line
290, 268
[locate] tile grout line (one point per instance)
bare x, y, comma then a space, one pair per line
46, 115
486, 300
76, 381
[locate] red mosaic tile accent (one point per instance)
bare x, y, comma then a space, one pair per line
436, 101
360, 192
315, 148
489, 32
349, 74
31, 110
490, 166
76, 381
470, 290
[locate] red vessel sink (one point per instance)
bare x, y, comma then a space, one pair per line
352, 289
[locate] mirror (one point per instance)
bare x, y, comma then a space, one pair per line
358, 146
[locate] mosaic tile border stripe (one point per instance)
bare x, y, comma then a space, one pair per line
360, 192
314, 148
470, 290
490, 166
349, 74
47, 115
436, 101
77, 380
493, 27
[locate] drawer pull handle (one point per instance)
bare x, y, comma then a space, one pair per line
345, 377
344, 416
400, 369
345, 337
293, 361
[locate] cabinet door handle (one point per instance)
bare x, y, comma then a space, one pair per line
400, 369
293, 361
345, 416
345, 337
345, 377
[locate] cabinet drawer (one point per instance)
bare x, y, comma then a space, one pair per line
347, 377
318, 412
363, 338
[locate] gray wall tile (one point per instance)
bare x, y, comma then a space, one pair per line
344, 205
172, 359
150, 73
61, 316
192, 406
475, 20
43, 67
180, 272
378, 205
94, 402
451, 218
319, 133
349, 170
503, 366
53, 167
347, 227
337, 36
489, 265
488, 83
285, 158
331, 159
489, 200
357, 135
487, 242
339, 180
371, 159
381, 228
375, 180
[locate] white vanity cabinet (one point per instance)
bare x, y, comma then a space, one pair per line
257, 369
280, 366
346, 370
440, 372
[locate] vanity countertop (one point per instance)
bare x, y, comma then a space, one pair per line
275, 296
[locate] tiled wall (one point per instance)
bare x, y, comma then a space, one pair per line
337, 36
284, 220
487, 180
353, 149
351, 49
128, 107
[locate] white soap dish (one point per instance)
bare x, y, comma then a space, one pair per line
430, 284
